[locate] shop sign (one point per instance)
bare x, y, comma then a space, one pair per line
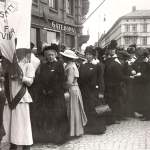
66, 28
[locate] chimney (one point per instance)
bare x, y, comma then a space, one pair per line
133, 8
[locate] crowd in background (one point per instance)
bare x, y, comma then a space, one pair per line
65, 90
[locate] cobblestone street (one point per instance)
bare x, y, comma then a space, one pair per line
131, 134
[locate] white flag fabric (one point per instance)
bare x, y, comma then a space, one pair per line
15, 23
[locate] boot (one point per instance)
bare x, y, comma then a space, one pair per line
13, 147
25, 147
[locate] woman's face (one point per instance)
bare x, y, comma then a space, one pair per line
89, 57
50, 55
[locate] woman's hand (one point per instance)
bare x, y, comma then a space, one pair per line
101, 96
2, 79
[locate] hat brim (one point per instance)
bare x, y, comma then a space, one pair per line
73, 57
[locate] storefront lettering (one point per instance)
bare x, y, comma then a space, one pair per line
62, 27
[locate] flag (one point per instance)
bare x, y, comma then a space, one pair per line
15, 23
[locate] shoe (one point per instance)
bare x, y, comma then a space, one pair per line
145, 119
137, 115
13, 147
25, 147
117, 122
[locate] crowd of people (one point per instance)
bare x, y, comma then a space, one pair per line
66, 91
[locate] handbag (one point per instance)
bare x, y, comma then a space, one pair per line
102, 109
67, 96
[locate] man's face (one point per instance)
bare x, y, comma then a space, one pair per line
50, 55
112, 52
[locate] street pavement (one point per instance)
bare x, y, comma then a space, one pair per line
131, 134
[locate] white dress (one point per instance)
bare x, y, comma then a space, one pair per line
17, 122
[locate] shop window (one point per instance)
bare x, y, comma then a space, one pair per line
127, 40
69, 7
53, 4
52, 37
134, 40
144, 27
35, 1
69, 41
34, 36
134, 28
144, 41
127, 28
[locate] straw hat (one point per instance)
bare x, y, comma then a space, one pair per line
69, 54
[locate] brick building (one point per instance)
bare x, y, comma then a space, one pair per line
59, 21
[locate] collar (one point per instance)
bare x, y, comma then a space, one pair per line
114, 56
94, 62
117, 60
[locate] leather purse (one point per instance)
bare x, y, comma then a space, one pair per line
103, 109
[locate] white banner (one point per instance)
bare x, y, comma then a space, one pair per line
15, 22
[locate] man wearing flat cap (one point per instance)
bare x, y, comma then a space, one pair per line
52, 103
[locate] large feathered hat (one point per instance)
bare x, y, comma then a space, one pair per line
131, 49
53, 47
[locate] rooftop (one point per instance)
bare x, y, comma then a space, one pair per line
134, 14
139, 13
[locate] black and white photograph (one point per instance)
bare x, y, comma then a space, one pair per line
74, 74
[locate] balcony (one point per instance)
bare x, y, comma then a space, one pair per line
85, 7
131, 34
83, 39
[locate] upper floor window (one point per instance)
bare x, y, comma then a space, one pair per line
134, 28
53, 4
69, 7
144, 41
127, 28
127, 40
134, 40
144, 27
35, 1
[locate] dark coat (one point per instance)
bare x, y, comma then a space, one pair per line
142, 87
113, 78
91, 83
52, 102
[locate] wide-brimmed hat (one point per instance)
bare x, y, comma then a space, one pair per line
69, 53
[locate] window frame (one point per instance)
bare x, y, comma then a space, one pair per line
127, 28
134, 40
144, 27
53, 4
127, 40
134, 28
69, 4
144, 40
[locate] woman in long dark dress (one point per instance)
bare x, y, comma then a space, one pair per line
142, 84
52, 105
91, 84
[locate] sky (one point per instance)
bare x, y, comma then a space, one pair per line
112, 9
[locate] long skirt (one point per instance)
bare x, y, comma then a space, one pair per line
17, 125
77, 117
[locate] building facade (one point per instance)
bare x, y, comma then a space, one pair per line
129, 29
58, 21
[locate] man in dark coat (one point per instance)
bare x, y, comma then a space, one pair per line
113, 78
52, 103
